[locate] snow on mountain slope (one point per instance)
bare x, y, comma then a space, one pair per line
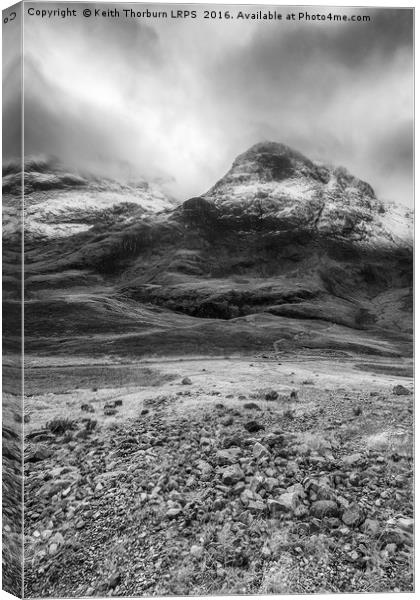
61, 204
279, 187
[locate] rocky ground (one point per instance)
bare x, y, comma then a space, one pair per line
232, 476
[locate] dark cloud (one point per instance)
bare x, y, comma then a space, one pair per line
184, 98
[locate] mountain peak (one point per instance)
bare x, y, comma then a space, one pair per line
272, 148
276, 161
280, 189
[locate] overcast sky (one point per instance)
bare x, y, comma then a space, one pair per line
181, 99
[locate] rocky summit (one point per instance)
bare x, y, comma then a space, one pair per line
277, 189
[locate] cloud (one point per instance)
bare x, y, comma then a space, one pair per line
182, 99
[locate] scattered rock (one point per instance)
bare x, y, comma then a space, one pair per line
173, 513
400, 390
351, 459
206, 470
353, 515
260, 451
37, 454
253, 426
251, 406
186, 381
271, 395
289, 501
228, 456
406, 524
371, 527
324, 508
257, 507
114, 580
232, 475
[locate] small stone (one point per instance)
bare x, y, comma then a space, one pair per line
391, 548
251, 406
400, 390
406, 524
247, 496
186, 381
228, 456
298, 489
354, 478
205, 468
371, 527
80, 524
351, 459
324, 508
196, 551
260, 451
46, 534
239, 488
226, 421
253, 426
271, 395
275, 507
52, 549
300, 511
173, 513
232, 475
58, 539
114, 579
289, 501
270, 483
353, 555
232, 441
38, 454
353, 515
332, 523
257, 506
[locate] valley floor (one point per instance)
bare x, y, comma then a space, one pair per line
275, 474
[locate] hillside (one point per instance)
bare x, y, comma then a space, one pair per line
280, 252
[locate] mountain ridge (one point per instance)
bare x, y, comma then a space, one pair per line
279, 239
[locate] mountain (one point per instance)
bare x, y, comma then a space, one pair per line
279, 189
281, 253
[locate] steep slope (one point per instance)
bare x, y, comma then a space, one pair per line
304, 245
278, 189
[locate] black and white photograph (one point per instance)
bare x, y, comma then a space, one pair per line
207, 299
